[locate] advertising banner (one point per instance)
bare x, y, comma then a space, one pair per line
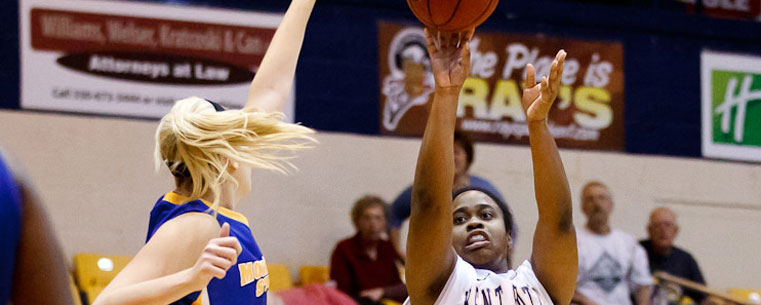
732, 9
136, 59
588, 113
731, 106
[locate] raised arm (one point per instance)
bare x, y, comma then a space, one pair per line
554, 253
430, 257
272, 84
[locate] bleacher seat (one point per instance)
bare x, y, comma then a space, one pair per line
314, 275
280, 277
93, 272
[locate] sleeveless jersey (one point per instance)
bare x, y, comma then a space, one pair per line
10, 229
470, 286
245, 283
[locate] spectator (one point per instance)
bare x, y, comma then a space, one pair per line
664, 256
365, 265
612, 265
463, 158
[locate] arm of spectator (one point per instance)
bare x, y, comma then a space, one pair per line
642, 294
696, 276
396, 292
374, 294
640, 276
340, 271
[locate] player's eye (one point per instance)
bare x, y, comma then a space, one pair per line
487, 215
458, 220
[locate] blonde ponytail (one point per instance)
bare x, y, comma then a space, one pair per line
195, 139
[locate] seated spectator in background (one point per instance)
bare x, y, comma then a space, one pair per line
612, 265
365, 265
664, 256
463, 158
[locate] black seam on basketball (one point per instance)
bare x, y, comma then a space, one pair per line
430, 14
456, 7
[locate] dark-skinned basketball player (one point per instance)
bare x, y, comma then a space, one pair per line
458, 248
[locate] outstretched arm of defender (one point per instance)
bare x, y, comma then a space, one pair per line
430, 257
554, 253
272, 84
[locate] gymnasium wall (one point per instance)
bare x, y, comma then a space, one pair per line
97, 179
337, 79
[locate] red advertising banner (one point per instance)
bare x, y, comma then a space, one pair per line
588, 113
732, 9
72, 31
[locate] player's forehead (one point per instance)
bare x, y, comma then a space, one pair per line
474, 200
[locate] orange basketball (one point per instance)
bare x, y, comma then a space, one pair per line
452, 15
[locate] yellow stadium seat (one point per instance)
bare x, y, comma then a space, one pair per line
93, 272
280, 277
389, 302
74, 291
314, 274
686, 300
743, 294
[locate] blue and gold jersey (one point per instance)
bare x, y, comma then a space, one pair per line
10, 229
245, 283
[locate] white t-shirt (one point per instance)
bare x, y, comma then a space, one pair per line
470, 286
610, 266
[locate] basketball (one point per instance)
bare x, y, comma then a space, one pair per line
452, 15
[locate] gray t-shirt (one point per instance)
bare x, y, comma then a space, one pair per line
610, 266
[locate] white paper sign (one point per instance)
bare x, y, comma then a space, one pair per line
136, 59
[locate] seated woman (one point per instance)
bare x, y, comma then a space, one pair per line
364, 266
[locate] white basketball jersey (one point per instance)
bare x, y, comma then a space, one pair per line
470, 286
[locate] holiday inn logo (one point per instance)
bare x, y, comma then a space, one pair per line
731, 86
736, 108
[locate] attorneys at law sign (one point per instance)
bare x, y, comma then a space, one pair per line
136, 59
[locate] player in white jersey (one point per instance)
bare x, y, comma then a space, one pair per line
458, 249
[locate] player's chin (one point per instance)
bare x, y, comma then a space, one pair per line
478, 257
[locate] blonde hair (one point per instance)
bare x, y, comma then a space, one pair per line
196, 139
